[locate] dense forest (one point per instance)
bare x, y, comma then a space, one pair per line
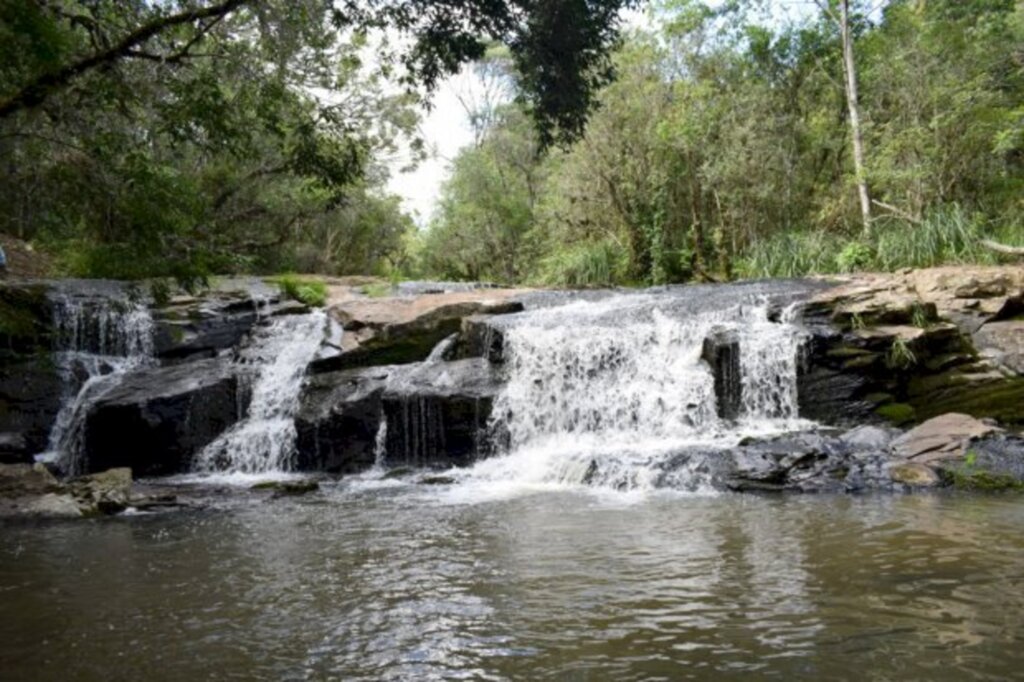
723, 140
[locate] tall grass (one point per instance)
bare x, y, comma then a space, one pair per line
589, 264
948, 236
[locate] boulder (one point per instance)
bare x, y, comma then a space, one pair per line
156, 420
913, 474
992, 462
1003, 343
107, 492
942, 438
339, 419
30, 397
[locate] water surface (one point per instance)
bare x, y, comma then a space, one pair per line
369, 582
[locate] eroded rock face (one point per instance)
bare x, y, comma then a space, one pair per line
907, 347
156, 420
722, 353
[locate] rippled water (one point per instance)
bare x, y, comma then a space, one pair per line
395, 581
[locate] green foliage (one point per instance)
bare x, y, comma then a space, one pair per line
854, 256
722, 150
308, 291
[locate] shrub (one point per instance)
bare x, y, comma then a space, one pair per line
854, 256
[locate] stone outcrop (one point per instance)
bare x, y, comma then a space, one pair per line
906, 347
157, 419
398, 330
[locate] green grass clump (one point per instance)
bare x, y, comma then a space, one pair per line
309, 291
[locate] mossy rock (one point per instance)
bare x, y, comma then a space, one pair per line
999, 398
966, 478
897, 413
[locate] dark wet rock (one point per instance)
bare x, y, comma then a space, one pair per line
436, 480
107, 492
990, 463
480, 338
339, 418
398, 472
437, 413
288, 488
721, 351
156, 420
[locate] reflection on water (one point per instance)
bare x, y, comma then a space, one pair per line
399, 583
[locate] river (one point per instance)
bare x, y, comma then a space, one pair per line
373, 579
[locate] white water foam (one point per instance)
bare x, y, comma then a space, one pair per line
264, 442
603, 393
98, 340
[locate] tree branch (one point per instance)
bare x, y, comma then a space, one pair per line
1003, 248
35, 92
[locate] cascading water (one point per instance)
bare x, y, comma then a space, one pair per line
276, 363
98, 339
604, 392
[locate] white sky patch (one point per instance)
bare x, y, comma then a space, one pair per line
446, 130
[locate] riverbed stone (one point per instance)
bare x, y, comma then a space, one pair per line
943, 438
914, 474
156, 420
106, 492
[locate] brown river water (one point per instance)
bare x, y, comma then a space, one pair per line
407, 582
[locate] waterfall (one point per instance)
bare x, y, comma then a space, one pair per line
275, 363
603, 392
96, 341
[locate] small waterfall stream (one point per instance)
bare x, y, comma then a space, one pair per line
603, 392
98, 340
275, 362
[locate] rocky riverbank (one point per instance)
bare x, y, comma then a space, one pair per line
413, 372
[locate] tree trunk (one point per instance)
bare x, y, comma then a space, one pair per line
850, 71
